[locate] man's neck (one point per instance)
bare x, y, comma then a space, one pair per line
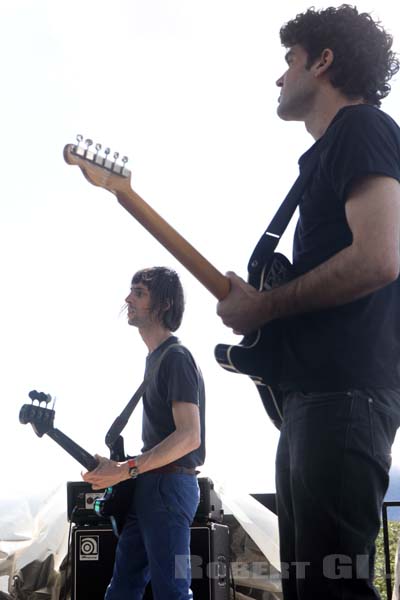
325, 109
154, 336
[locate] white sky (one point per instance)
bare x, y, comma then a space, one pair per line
187, 90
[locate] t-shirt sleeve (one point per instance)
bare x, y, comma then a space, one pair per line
180, 377
366, 143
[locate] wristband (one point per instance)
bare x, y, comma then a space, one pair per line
133, 468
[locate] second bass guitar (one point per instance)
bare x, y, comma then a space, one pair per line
116, 500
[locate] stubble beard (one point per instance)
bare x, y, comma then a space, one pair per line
141, 321
297, 106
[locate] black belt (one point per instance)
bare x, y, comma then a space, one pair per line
174, 469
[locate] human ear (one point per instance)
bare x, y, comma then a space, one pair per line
323, 63
167, 305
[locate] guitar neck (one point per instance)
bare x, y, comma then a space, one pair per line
184, 252
84, 458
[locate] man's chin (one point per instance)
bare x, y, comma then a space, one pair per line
282, 113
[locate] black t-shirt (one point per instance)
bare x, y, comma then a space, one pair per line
178, 379
356, 344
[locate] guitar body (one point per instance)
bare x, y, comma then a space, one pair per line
115, 504
116, 500
259, 354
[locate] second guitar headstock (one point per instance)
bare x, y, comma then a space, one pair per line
99, 166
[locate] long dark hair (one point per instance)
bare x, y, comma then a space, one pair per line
363, 60
166, 294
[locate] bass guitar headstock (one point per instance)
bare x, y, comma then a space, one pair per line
40, 417
98, 166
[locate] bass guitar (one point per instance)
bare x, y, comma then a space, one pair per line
258, 354
116, 500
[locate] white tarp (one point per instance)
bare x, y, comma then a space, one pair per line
33, 526
258, 521
254, 566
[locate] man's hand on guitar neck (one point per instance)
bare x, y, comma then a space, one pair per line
244, 309
107, 473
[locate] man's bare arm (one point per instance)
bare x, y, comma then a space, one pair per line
183, 440
369, 263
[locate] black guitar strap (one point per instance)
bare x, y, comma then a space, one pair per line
271, 236
120, 422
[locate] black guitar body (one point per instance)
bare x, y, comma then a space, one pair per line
116, 500
115, 504
259, 354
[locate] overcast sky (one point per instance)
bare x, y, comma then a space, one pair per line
187, 90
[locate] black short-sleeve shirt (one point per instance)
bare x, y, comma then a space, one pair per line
178, 379
356, 344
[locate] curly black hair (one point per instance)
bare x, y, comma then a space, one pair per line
166, 294
363, 60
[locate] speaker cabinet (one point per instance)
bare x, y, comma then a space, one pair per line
209, 549
93, 551
92, 555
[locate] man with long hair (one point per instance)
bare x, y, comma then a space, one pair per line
155, 539
340, 376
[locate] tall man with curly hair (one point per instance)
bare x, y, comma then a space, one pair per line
155, 540
341, 359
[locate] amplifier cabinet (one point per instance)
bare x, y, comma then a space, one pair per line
81, 498
92, 557
80, 504
209, 548
210, 505
93, 551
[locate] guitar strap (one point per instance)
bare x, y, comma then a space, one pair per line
120, 422
271, 236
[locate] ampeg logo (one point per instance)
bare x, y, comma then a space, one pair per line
89, 548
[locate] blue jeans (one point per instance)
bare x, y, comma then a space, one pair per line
155, 541
332, 467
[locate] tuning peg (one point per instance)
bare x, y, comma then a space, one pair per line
107, 162
40, 397
88, 153
124, 170
97, 157
115, 164
78, 148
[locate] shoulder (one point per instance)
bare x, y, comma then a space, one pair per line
362, 139
181, 375
362, 120
362, 112
178, 354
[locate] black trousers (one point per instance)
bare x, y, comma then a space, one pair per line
332, 467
